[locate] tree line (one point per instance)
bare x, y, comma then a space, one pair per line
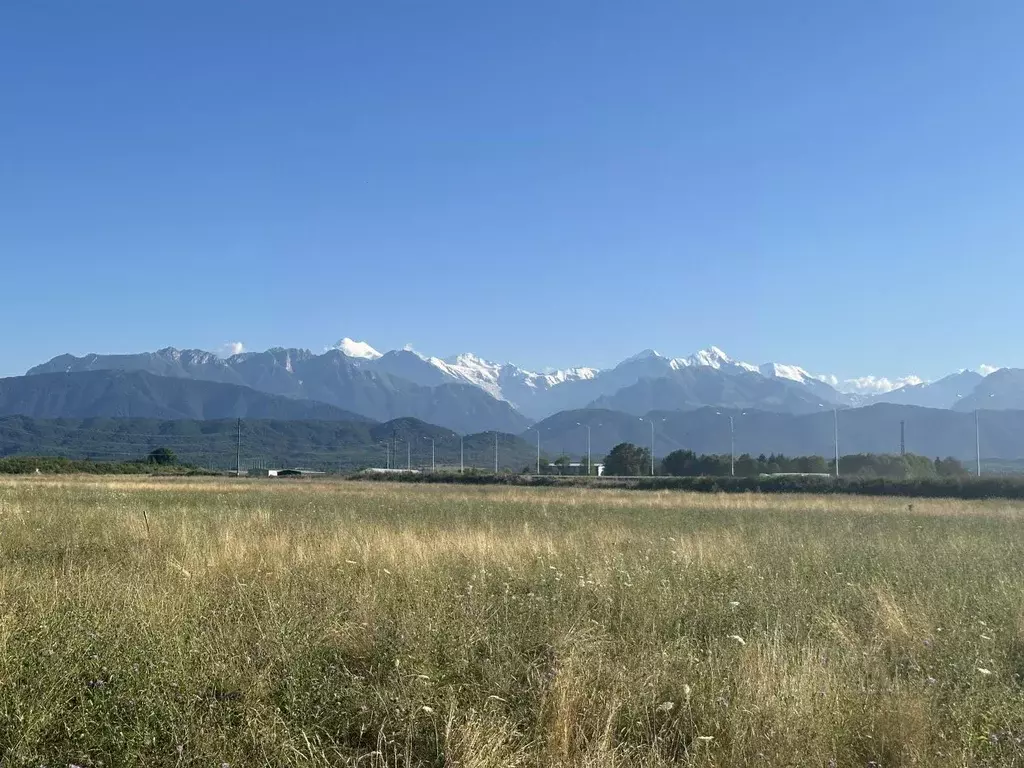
629, 460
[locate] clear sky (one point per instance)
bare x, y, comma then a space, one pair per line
838, 185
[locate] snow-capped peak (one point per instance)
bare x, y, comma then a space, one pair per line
791, 372
473, 370
361, 349
468, 358
712, 357
647, 354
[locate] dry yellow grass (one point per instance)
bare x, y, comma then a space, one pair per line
202, 622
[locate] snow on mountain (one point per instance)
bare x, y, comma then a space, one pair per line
712, 357
640, 357
473, 370
791, 372
359, 349
551, 378
715, 358
505, 380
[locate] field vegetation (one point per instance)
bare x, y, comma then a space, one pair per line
214, 622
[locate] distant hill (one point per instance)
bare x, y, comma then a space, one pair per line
944, 393
873, 429
1001, 390
143, 395
696, 387
325, 445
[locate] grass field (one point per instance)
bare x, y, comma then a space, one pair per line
210, 623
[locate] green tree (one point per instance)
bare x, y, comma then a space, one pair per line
164, 456
747, 466
563, 462
950, 467
627, 459
681, 463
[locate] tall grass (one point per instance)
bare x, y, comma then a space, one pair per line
203, 623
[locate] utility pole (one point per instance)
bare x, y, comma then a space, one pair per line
462, 454
903, 438
538, 451
495, 452
408, 454
238, 449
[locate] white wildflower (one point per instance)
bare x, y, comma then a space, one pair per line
428, 710
734, 603
738, 639
984, 671
666, 706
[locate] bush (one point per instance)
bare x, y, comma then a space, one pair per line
939, 487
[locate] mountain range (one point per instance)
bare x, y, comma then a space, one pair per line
774, 407
139, 394
469, 394
293, 374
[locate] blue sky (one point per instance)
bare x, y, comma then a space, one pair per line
838, 185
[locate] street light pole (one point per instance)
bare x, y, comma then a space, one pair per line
835, 421
586, 427
432, 465
977, 439
652, 447
732, 447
